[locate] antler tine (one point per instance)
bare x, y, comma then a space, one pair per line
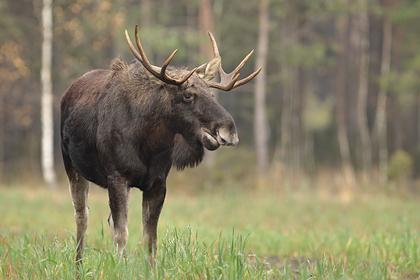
217, 54
132, 48
214, 45
167, 61
145, 61
230, 81
223, 75
242, 63
158, 72
165, 65
225, 87
247, 79
187, 76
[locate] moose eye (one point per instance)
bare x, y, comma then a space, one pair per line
188, 97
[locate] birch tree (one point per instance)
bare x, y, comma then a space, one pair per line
47, 141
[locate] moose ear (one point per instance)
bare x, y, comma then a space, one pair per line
209, 70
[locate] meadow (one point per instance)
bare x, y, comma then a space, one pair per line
219, 234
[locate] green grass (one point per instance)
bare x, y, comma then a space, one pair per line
219, 235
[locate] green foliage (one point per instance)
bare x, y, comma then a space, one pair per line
318, 113
405, 83
400, 166
407, 11
416, 169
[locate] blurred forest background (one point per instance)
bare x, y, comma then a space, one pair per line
338, 99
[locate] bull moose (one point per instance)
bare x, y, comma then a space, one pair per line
125, 127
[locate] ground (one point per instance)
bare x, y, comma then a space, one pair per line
224, 234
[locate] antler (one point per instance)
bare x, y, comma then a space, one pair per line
158, 72
229, 81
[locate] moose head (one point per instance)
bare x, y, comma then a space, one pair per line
195, 112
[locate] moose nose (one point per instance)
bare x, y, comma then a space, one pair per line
227, 137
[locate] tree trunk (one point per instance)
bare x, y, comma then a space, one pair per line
146, 12
294, 89
2, 138
381, 119
260, 119
206, 24
361, 108
343, 141
47, 97
417, 144
299, 124
288, 92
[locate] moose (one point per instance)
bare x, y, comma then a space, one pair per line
127, 126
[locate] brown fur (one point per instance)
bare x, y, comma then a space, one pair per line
123, 128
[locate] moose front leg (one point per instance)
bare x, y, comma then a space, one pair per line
152, 205
118, 202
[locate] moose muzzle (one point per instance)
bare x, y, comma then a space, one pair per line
222, 136
228, 137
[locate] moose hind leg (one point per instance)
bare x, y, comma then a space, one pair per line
118, 202
79, 188
152, 206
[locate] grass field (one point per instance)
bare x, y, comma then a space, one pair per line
220, 235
